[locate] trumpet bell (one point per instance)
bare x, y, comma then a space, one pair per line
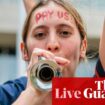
42, 73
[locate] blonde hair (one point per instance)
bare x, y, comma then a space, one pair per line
65, 5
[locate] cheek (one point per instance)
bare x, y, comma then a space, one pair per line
31, 44
72, 49
30, 48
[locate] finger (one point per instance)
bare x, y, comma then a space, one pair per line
62, 61
39, 53
43, 53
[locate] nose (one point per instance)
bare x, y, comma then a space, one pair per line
53, 45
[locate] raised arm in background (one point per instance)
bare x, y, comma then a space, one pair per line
29, 4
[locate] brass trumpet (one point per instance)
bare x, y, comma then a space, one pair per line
42, 73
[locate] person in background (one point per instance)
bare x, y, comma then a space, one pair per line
10, 90
100, 66
102, 47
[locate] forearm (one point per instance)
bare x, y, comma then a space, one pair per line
26, 98
33, 97
28, 5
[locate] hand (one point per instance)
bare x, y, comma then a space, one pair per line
34, 59
31, 94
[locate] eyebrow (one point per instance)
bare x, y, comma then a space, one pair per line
66, 25
41, 26
59, 25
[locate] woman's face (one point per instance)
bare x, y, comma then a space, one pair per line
52, 28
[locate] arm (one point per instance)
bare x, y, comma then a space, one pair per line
102, 48
10, 90
28, 4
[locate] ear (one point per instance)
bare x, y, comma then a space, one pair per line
24, 52
83, 48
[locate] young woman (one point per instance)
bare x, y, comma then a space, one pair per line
54, 30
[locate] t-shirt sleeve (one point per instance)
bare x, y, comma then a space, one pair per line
99, 72
10, 90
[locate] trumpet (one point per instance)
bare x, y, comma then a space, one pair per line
43, 72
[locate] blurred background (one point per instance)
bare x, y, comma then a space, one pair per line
12, 16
